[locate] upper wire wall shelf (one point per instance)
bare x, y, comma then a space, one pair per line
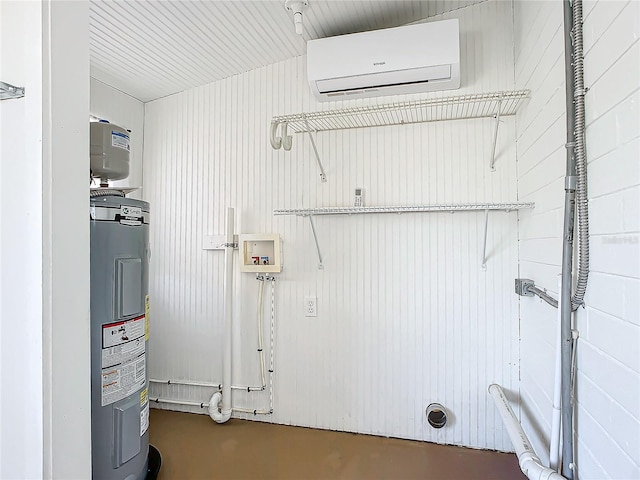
476, 105
8, 91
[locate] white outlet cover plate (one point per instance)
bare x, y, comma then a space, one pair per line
310, 306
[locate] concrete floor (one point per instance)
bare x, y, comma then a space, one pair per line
193, 447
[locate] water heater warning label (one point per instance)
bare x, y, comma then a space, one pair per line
122, 380
119, 333
124, 369
144, 411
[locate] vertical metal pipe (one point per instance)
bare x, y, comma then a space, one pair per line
567, 251
567, 342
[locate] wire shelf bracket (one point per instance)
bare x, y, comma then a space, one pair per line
484, 242
492, 166
451, 208
470, 106
315, 238
8, 91
323, 176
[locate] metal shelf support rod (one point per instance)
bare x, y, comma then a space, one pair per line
315, 238
484, 243
495, 137
323, 176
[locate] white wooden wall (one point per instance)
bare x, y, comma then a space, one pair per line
406, 315
45, 401
608, 383
22, 437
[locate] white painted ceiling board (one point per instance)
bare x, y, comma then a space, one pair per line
150, 49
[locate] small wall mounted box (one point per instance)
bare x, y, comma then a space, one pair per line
259, 253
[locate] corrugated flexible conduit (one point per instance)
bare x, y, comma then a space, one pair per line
576, 152
582, 201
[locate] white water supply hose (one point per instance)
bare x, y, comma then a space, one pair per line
260, 339
529, 462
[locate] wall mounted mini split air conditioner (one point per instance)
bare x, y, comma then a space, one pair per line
411, 59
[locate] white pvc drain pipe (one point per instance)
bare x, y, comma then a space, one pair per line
223, 413
529, 462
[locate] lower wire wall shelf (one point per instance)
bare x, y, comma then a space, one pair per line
460, 207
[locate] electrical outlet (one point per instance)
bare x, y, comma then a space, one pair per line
310, 306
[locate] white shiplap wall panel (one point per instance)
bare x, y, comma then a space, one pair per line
406, 315
608, 383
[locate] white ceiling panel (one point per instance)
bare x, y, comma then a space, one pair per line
153, 48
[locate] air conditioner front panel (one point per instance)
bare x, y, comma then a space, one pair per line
386, 59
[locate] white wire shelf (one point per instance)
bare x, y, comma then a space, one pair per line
450, 208
461, 207
477, 105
